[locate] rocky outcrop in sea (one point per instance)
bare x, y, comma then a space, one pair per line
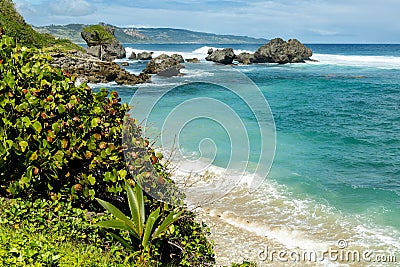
275, 51
279, 51
107, 49
223, 56
144, 56
133, 56
89, 69
245, 58
162, 63
192, 60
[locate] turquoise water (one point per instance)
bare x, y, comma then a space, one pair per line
337, 127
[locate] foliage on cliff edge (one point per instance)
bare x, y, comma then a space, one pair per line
14, 25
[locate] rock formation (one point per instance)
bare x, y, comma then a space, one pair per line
90, 69
178, 58
145, 56
102, 43
164, 62
224, 56
132, 56
245, 58
192, 60
279, 51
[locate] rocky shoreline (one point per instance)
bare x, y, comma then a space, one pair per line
97, 66
92, 70
275, 51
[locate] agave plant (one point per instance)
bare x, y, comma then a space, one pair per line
144, 230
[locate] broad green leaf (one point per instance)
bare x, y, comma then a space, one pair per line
92, 193
94, 122
43, 83
61, 109
59, 156
28, 174
136, 205
56, 127
37, 126
117, 213
23, 145
171, 218
26, 121
109, 176
122, 173
9, 80
91, 179
34, 156
149, 226
64, 143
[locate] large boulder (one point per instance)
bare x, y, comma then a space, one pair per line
102, 42
224, 56
132, 56
193, 60
162, 63
245, 58
279, 51
145, 56
298, 51
178, 58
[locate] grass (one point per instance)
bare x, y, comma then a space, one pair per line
22, 247
52, 233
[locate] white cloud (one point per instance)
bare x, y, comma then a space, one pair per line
73, 8
307, 20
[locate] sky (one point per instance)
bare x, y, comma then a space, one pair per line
310, 21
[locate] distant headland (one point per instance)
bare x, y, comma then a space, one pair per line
150, 35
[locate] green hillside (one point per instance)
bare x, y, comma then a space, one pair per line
14, 25
169, 35
149, 35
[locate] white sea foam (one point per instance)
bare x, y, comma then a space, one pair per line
384, 62
199, 53
273, 212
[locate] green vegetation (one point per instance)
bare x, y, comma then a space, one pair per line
60, 148
52, 233
56, 139
102, 34
142, 231
244, 264
14, 25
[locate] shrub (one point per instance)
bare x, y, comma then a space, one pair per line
62, 142
56, 139
192, 239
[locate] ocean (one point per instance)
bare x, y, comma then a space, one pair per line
329, 133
